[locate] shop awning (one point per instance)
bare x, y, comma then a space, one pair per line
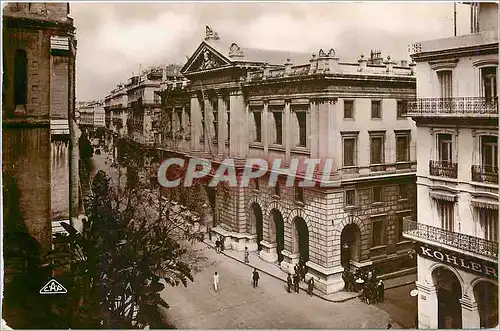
443, 196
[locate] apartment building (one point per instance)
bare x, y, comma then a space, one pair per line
456, 229
91, 114
243, 103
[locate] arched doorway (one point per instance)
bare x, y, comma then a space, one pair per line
277, 232
449, 292
256, 223
486, 295
301, 238
350, 239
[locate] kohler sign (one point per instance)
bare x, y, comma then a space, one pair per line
468, 263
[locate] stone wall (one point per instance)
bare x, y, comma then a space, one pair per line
26, 178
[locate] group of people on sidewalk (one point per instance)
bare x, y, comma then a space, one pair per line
219, 244
372, 289
300, 271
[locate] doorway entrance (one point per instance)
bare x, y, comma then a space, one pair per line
350, 239
277, 232
301, 238
449, 294
256, 223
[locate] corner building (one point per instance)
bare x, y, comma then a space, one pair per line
242, 103
456, 230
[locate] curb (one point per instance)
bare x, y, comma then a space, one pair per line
278, 278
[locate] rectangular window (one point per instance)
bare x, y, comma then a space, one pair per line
299, 193
402, 108
404, 191
377, 194
489, 77
444, 147
215, 112
277, 189
278, 116
376, 150
302, 121
376, 109
489, 151
350, 198
402, 148
179, 119
445, 83
258, 126
256, 184
378, 231
488, 220
348, 109
446, 211
349, 158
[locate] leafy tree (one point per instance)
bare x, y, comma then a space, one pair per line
128, 246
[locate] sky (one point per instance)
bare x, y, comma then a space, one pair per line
116, 39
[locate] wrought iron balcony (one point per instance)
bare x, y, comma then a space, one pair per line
485, 174
443, 169
453, 107
415, 231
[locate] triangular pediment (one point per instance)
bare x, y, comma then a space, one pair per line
204, 58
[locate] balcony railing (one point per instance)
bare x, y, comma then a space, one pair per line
471, 244
443, 169
485, 174
459, 106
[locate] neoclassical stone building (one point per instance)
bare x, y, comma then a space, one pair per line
241, 103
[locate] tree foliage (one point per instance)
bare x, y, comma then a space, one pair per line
130, 248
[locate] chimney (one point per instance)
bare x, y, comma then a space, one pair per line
314, 64
288, 67
362, 62
266, 72
332, 62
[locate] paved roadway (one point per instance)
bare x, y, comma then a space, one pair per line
238, 305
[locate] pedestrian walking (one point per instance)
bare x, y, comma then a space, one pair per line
296, 269
289, 283
303, 273
380, 291
310, 286
296, 280
216, 281
217, 246
246, 255
255, 277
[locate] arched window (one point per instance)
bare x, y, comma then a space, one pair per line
20, 77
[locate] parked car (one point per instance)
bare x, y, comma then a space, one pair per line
98, 151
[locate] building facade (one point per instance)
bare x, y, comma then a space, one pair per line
456, 229
91, 114
243, 103
40, 135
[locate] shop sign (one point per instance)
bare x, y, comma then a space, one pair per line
461, 261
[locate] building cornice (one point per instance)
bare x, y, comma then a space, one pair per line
474, 50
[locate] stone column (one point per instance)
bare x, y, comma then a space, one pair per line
196, 125
470, 313
326, 119
238, 120
287, 128
428, 306
221, 122
209, 125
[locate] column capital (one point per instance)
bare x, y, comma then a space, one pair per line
426, 288
468, 303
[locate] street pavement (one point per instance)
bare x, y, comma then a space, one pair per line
238, 305
400, 305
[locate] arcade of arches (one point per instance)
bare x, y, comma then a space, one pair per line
450, 298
